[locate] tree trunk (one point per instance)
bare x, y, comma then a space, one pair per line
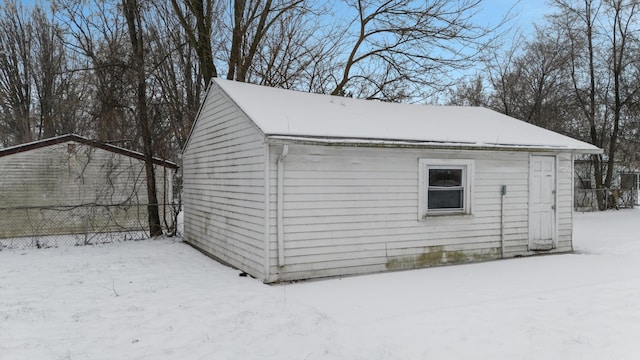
132, 14
200, 37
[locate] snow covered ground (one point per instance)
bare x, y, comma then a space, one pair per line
160, 299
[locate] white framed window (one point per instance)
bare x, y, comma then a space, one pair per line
444, 187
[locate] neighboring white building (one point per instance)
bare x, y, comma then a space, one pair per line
67, 184
287, 185
623, 192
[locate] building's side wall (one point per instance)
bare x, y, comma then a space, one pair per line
223, 189
355, 210
564, 204
585, 175
67, 188
620, 194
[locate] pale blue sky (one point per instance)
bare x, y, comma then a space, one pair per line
526, 12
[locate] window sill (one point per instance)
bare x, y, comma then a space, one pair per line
457, 215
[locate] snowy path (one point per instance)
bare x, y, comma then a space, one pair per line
163, 300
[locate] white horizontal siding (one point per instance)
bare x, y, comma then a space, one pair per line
75, 174
564, 202
224, 186
354, 210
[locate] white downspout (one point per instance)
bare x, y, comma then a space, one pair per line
267, 214
503, 193
280, 204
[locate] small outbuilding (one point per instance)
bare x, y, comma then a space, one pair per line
287, 185
72, 185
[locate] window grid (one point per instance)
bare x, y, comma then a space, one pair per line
445, 187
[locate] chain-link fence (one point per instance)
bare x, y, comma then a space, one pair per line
603, 199
90, 224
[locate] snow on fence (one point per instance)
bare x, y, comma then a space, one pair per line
87, 224
587, 199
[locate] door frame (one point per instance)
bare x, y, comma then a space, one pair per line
554, 233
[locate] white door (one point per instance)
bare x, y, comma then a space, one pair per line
542, 203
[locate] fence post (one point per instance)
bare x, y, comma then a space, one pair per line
86, 228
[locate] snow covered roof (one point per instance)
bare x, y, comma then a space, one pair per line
293, 115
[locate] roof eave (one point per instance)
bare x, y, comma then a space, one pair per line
387, 143
82, 140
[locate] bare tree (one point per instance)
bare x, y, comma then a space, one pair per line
579, 25
97, 36
389, 50
473, 92
501, 68
624, 24
15, 76
291, 51
532, 84
407, 47
252, 20
53, 85
132, 14
603, 49
176, 81
203, 13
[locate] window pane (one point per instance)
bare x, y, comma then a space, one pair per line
445, 177
446, 199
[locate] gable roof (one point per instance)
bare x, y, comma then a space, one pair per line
292, 115
82, 140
